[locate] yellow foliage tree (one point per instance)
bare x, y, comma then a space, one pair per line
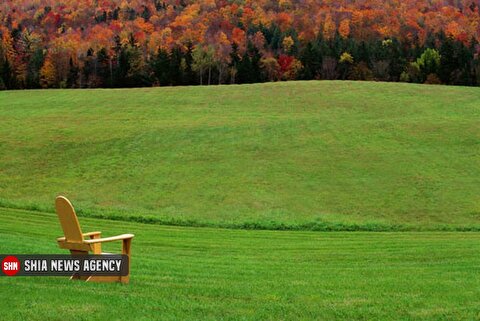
287, 43
329, 28
346, 58
271, 67
344, 28
47, 73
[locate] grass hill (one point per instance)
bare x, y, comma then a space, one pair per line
302, 155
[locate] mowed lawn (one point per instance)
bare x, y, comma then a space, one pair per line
322, 155
182, 273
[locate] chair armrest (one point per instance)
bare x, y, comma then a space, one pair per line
59, 239
92, 233
110, 239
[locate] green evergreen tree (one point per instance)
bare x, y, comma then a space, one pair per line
161, 67
311, 59
72, 78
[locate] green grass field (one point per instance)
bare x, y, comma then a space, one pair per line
392, 171
303, 155
181, 273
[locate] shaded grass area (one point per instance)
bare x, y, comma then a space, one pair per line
205, 273
318, 225
302, 155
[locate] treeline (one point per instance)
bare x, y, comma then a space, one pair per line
440, 60
129, 43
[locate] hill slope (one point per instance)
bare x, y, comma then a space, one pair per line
323, 155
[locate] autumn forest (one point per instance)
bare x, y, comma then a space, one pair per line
134, 43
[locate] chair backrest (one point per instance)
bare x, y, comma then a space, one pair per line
68, 220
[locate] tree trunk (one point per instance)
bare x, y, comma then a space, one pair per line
111, 72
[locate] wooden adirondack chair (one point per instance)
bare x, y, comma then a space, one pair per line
74, 240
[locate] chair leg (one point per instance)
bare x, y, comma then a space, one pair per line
76, 276
126, 250
96, 247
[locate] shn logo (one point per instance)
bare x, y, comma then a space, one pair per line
10, 265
